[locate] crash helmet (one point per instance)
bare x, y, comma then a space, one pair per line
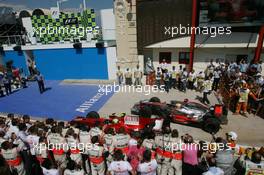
178, 105
232, 135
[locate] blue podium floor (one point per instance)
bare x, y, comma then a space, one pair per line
60, 101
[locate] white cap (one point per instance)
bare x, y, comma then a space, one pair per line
232, 135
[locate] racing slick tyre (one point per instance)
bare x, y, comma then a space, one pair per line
93, 114
145, 112
211, 125
154, 100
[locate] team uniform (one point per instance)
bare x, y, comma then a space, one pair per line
85, 139
95, 131
164, 154
176, 161
74, 149
58, 150
149, 144
96, 159
41, 154
14, 160
109, 146
121, 142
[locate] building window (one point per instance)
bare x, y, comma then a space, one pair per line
165, 56
184, 57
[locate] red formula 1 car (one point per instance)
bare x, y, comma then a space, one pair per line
184, 112
130, 123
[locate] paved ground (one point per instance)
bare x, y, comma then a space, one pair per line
249, 129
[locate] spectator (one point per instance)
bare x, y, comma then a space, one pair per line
128, 77
184, 77
216, 75
191, 79
163, 66
158, 77
119, 75
246, 165
173, 80
138, 76
166, 78
243, 66
207, 89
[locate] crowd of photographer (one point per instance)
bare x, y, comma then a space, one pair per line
28, 148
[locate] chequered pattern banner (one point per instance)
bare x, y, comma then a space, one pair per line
46, 22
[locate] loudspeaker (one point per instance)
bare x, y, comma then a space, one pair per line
77, 45
17, 48
99, 45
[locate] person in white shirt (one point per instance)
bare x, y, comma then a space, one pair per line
85, 139
148, 167
12, 128
96, 157
163, 66
22, 132
191, 79
73, 143
26, 120
121, 140
217, 75
207, 89
119, 166
57, 141
48, 169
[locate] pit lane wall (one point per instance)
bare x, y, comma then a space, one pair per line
59, 62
